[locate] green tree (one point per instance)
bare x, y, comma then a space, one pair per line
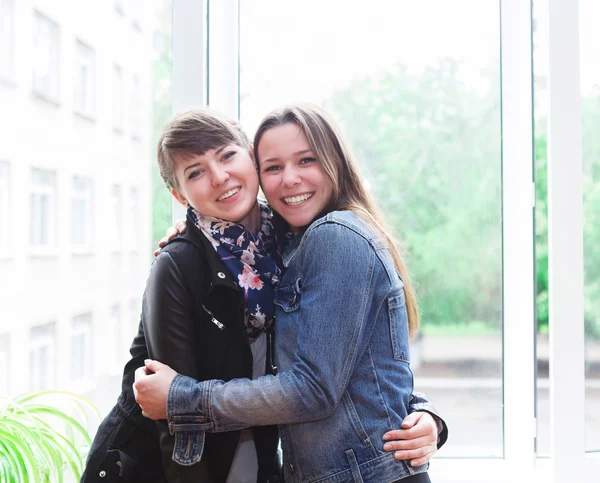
431, 150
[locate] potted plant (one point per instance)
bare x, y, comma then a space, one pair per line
44, 436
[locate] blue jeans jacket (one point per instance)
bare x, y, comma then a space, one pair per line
342, 347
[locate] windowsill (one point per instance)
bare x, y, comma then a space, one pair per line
46, 98
8, 81
82, 251
6, 254
85, 115
43, 252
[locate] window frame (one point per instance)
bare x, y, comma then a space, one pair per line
85, 195
53, 69
45, 339
7, 14
84, 89
218, 67
50, 191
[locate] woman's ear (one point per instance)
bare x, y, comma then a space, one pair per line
179, 197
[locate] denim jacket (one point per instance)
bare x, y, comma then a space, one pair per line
342, 347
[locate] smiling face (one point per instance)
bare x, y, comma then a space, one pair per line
292, 178
221, 183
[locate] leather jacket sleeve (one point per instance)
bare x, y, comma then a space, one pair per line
168, 322
420, 402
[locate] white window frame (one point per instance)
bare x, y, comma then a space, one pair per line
41, 192
191, 49
84, 80
82, 195
118, 96
45, 81
116, 340
42, 336
5, 205
133, 224
81, 334
565, 249
135, 106
7, 46
116, 214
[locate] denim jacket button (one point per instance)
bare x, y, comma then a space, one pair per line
102, 474
221, 275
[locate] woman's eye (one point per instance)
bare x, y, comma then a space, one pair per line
227, 156
195, 174
307, 160
272, 168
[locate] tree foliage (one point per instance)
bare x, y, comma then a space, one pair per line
430, 148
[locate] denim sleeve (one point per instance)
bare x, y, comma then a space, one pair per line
420, 402
338, 278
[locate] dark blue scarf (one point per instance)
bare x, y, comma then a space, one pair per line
252, 259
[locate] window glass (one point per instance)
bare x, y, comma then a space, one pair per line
81, 212
43, 207
418, 96
46, 57
85, 79
6, 38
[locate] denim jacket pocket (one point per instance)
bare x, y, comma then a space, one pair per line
189, 446
288, 296
399, 326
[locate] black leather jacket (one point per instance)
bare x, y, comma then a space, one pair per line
185, 289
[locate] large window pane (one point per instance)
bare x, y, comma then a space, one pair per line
419, 100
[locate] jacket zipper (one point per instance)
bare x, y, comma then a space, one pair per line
213, 318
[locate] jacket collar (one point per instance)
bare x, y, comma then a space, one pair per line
219, 274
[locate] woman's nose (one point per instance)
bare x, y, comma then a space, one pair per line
291, 177
219, 176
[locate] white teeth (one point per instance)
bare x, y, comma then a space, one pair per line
296, 200
229, 194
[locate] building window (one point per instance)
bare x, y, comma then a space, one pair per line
81, 347
135, 314
41, 357
82, 212
136, 10
43, 208
6, 38
135, 106
45, 62
118, 98
5, 365
116, 201
117, 344
4, 203
120, 6
133, 224
85, 80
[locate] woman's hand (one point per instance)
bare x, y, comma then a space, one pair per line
416, 441
179, 227
151, 388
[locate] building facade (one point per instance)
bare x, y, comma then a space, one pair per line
75, 191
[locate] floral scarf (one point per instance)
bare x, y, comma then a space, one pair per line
251, 258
